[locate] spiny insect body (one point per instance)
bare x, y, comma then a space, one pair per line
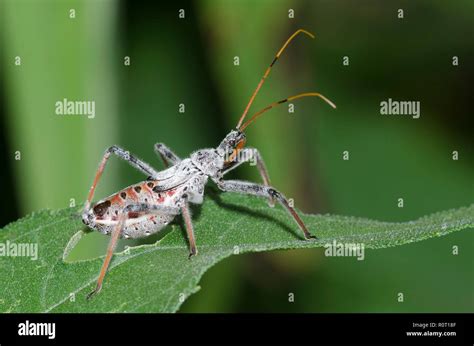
147, 207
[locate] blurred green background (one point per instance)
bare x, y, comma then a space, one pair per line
191, 61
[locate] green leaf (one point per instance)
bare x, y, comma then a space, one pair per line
159, 277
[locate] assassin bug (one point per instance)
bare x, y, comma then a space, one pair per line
145, 208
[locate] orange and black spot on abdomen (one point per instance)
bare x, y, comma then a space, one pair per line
133, 215
101, 208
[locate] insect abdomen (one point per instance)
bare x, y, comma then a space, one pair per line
138, 224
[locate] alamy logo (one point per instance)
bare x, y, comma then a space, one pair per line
345, 250
66, 107
37, 329
391, 107
248, 155
11, 249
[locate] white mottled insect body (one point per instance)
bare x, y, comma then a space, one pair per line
177, 183
147, 207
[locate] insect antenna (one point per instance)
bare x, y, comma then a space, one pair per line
274, 104
267, 72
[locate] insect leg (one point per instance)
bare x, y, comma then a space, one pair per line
189, 228
247, 155
263, 191
110, 251
166, 154
124, 155
185, 211
158, 209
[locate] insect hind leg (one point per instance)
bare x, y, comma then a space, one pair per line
118, 229
110, 251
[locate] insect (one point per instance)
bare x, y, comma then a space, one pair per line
145, 208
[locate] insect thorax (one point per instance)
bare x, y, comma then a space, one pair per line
208, 161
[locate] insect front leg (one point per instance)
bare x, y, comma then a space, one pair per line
166, 154
124, 155
263, 191
117, 231
247, 155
